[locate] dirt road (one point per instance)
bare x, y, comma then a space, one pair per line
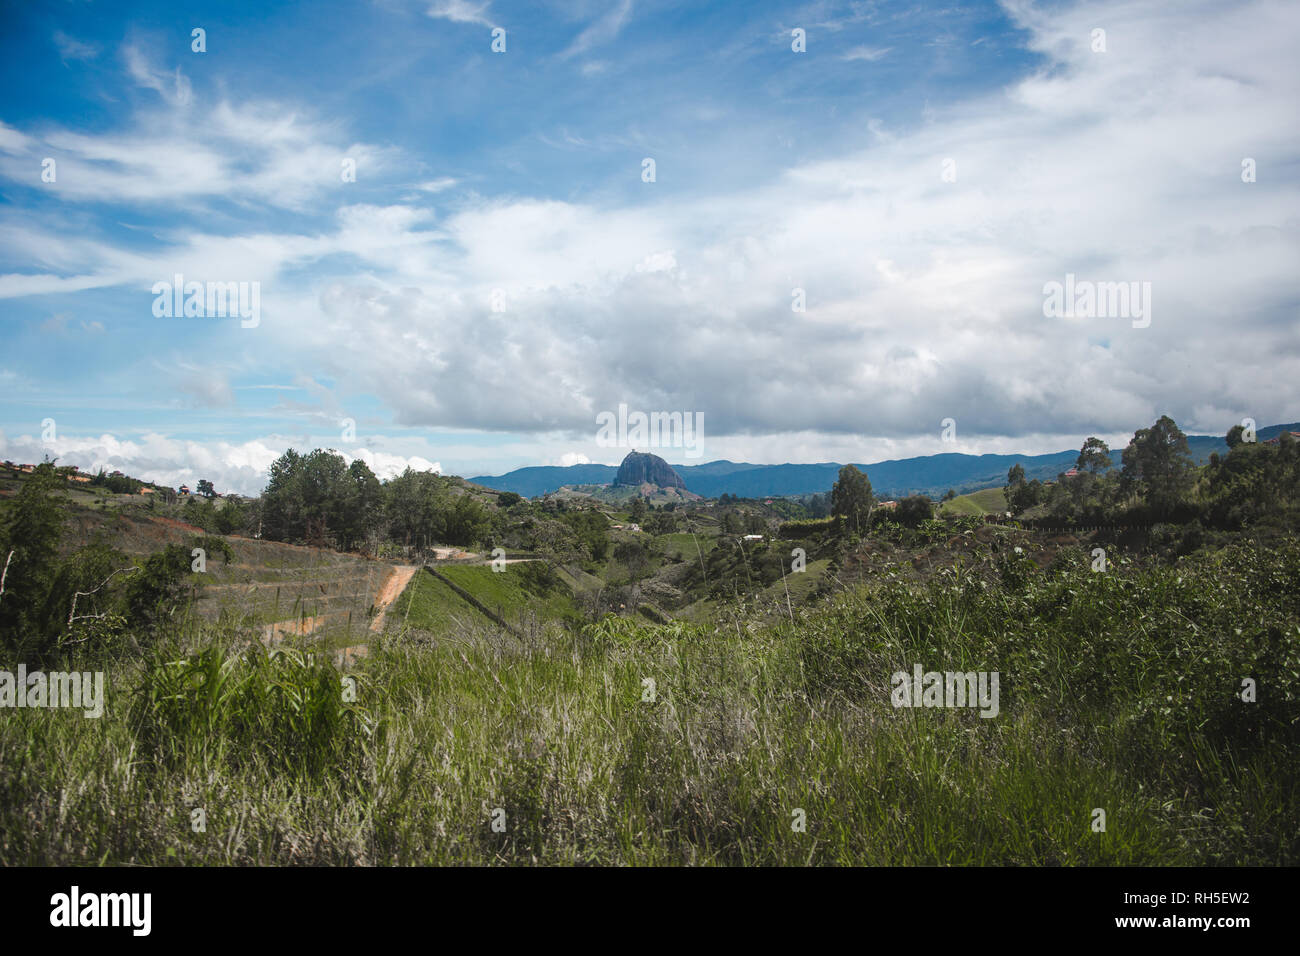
395, 584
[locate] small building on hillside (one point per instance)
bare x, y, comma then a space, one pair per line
888, 505
184, 490
1277, 439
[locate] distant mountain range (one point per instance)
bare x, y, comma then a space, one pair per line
927, 475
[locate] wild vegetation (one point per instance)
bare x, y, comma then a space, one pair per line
745, 718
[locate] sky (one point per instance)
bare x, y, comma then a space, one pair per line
462, 256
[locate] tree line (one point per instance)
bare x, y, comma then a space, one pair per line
1158, 481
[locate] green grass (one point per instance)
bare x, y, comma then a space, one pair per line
986, 501
683, 544
1118, 691
799, 585
430, 605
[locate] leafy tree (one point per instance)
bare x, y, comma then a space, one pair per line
29, 555
206, 489
152, 593
949, 495
913, 509
1020, 494
632, 555
507, 498
663, 522
637, 510
1235, 436
320, 499
1094, 457
229, 518
1255, 483
1158, 462
591, 531
282, 505
466, 522
851, 498
361, 512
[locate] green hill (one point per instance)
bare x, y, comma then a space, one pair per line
986, 501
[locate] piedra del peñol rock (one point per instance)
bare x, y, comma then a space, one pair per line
640, 468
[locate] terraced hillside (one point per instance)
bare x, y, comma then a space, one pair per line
278, 590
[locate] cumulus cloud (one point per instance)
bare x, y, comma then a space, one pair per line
921, 262
241, 467
924, 296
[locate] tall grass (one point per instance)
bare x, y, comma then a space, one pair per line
1119, 692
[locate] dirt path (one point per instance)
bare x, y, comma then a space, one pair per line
396, 583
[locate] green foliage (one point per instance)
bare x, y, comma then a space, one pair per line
29, 559
1158, 465
1021, 495
592, 531
283, 709
1094, 457
913, 510
88, 599
851, 498
214, 547
1118, 689
230, 518
320, 499
1255, 484
154, 593
117, 484
797, 530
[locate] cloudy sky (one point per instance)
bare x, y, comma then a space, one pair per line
499, 270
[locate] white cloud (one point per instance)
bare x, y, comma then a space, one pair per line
603, 30
437, 185
867, 53
260, 152
460, 11
70, 48
924, 297
173, 87
241, 467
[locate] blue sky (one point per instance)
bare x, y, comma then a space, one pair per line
519, 175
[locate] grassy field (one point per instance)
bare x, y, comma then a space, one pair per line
688, 546
985, 501
1119, 691
428, 604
